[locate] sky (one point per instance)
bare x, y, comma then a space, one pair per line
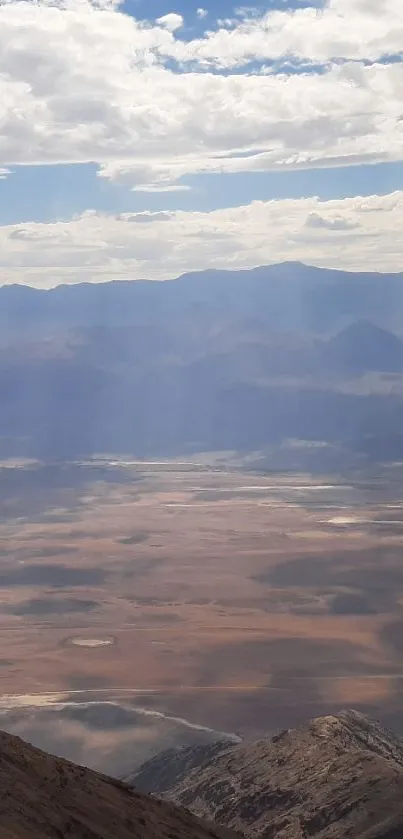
145, 139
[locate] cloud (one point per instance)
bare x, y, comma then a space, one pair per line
340, 29
84, 82
4, 173
146, 217
201, 13
172, 21
21, 234
98, 247
316, 220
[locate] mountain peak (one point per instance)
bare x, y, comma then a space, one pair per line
337, 776
348, 720
363, 345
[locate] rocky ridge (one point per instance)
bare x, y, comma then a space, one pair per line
336, 777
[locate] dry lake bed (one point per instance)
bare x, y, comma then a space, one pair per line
148, 604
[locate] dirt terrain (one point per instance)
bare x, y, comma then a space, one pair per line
43, 797
195, 596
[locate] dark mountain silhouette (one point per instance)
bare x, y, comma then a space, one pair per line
336, 777
44, 797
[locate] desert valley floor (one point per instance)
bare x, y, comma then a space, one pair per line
146, 604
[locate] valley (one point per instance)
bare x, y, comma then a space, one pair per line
148, 604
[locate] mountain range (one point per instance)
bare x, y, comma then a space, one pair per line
337, 777
245, 360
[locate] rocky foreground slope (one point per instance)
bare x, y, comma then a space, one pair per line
44, 797
336, 777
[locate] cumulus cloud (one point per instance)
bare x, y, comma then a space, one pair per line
201, 13
316, 220
171, 21
354, 233
340, 29
84, 82
145, 218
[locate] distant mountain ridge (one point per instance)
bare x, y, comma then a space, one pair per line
243, 360
285, 296
335, 777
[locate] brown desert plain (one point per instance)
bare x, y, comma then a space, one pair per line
148, 604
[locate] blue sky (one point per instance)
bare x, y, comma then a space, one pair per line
46, 193
223, 117
216, 9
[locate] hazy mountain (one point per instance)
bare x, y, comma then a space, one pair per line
289, 296
44, 797
215, 360
336, 777
363, 346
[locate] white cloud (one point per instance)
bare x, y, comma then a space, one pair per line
145, 217
145, 176
347, 29
82, 81
316, 220
353, 233
201, 13
4, 173
172, 21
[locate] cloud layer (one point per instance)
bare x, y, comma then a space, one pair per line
354, 233
82, 81
152, 105
340, 29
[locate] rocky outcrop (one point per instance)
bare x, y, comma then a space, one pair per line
336, 777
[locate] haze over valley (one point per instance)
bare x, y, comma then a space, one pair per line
201, 419
153, 604
201, 508
300, 364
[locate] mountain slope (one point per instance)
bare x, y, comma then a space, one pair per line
336, 777
43, 797
363, 346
